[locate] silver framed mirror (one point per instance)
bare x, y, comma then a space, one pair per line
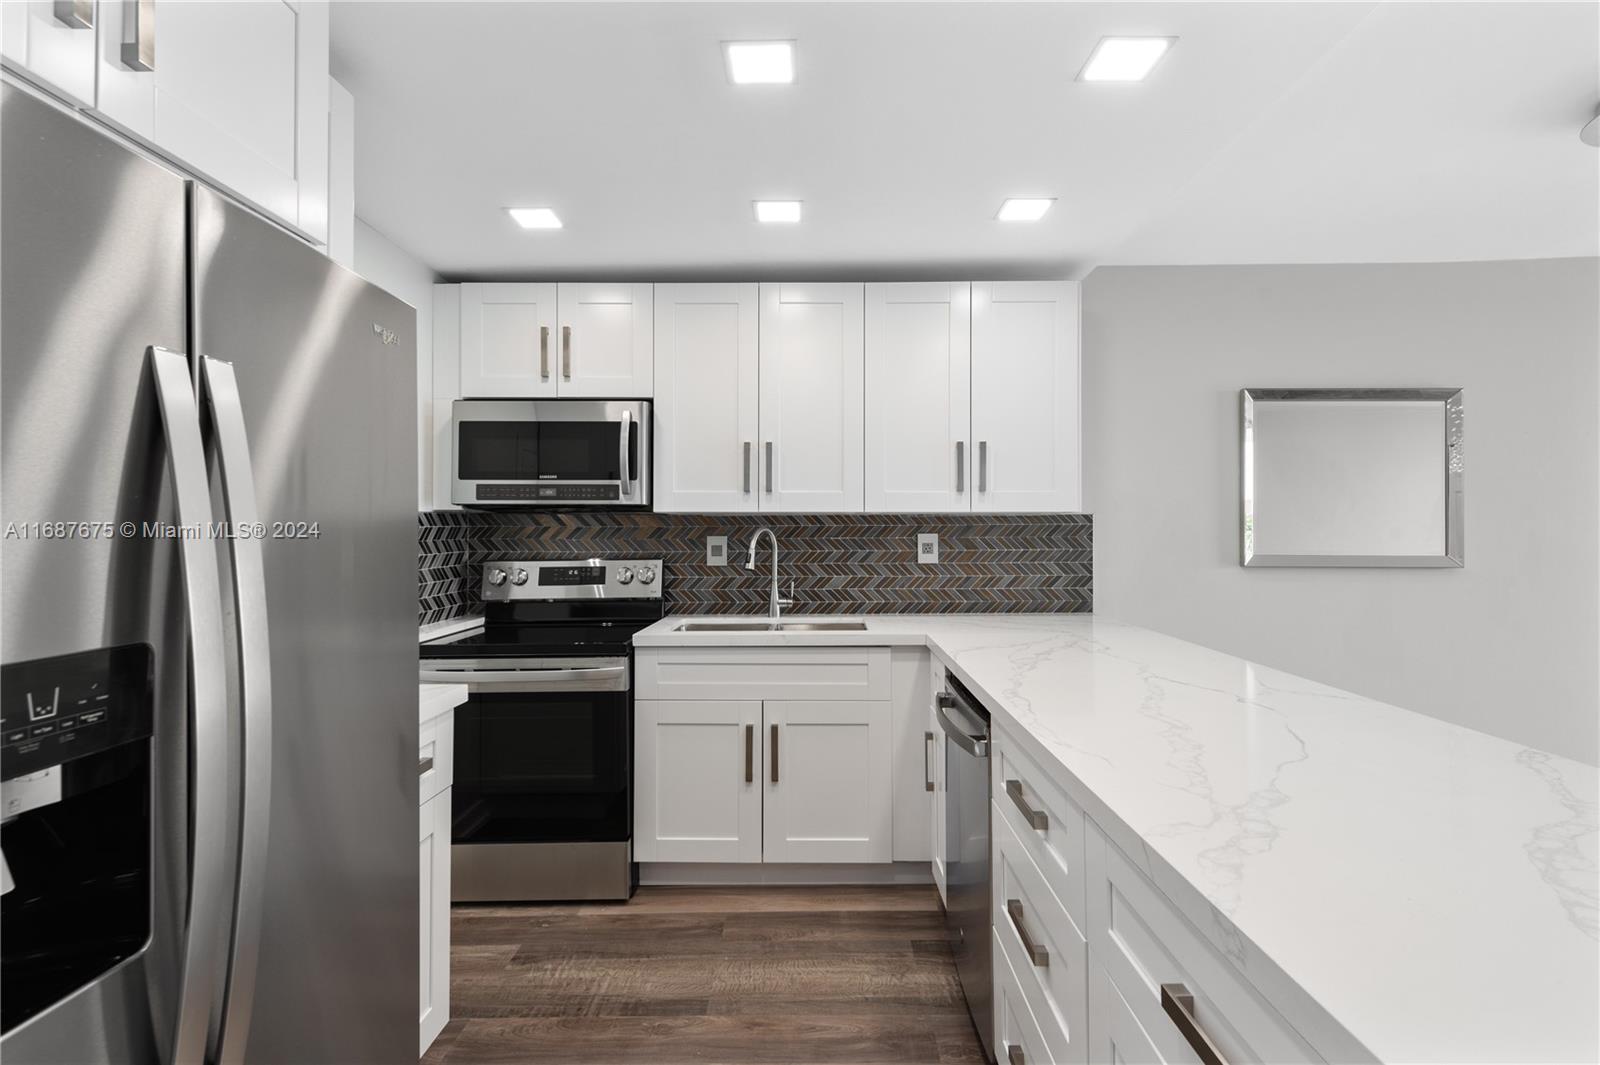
1351, 477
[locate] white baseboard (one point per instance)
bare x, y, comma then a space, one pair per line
735, 873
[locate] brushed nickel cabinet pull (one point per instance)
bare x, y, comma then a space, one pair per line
424, 764
749, 754
544, 353
1036, 819
774, 754
983, 465
1178, 1002
769, 467
566, 352
75, 14
1036, 954
961, 466
1014, 1054
139, 34
927, 764
747, 446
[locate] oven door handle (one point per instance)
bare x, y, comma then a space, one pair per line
519, 676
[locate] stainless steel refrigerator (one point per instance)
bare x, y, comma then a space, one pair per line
209, 756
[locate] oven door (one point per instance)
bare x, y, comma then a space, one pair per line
544, 753
551, 452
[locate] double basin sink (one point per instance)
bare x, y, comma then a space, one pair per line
772, 626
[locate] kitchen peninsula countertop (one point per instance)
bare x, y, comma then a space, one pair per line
1398, 887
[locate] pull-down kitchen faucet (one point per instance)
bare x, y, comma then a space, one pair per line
775, 605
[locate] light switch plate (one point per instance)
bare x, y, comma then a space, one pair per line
927, 548
716, 550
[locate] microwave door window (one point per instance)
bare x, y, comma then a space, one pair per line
579, 451
498, 451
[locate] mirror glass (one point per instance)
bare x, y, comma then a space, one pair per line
1368, 477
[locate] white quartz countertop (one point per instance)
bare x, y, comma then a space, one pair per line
1399, 887
434, 700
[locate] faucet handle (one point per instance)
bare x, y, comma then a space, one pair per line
789, 601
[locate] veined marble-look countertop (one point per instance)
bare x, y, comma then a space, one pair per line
1395, 885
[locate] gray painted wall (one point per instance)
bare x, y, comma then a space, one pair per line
1507, 645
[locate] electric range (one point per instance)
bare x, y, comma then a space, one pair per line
542, 800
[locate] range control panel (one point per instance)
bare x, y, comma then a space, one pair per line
592, 578
53, 710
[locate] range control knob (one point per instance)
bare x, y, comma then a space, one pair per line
624, 575
497, 576
646, 575
520, 577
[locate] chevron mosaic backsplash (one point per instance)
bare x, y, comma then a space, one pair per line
840, 563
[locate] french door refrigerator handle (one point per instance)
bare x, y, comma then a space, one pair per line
221, 391
206, 919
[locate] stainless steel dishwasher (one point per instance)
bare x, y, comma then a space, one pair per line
966, 806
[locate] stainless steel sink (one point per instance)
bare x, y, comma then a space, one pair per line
822, 626
725, 626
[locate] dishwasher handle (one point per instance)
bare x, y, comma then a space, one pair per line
977, 746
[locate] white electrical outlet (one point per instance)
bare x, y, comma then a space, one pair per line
716, 550
927, 548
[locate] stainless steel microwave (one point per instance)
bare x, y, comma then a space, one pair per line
550, 452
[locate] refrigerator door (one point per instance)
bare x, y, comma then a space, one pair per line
93, 260
325, 370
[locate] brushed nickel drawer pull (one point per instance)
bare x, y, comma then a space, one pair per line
1014, 1054
1036, 954
424, 765
1037, 819
749, 754
1178, 1002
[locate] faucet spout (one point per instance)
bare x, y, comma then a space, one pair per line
775, 604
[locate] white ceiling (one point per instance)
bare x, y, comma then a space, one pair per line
1281, 132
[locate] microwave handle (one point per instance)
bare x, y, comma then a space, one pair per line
624, 466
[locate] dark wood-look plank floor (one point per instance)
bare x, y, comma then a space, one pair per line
710, 976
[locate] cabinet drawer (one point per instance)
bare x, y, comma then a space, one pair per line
812, 674
1025, 798
1115, 1034
1144, 942
1046, 949
1017, 1039
436, 741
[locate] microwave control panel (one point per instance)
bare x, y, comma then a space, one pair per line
53, 710
549, 493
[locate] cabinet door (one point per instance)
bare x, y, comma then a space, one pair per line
707, 362
812, 398
697, 781
829, 793
1115, 1034
606, 345
934, 734
433, 945
1025, 418
913, 754
919, 399
52, 44
236, 92
508, 346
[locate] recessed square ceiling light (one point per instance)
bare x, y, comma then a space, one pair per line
760, 62
777, 210
1017, 210
535, 217
1124, 58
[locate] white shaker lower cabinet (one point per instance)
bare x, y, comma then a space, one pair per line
812, 398
708, 363
829, 792
933, 738
697, 780
435, 772
1115, 1034
765, 754
1025, 395
919, 407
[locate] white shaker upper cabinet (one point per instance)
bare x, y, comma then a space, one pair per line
52, 44
812, 398
919, 401
706, 391
1025, 396
235, 91
606, 341
508, 343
